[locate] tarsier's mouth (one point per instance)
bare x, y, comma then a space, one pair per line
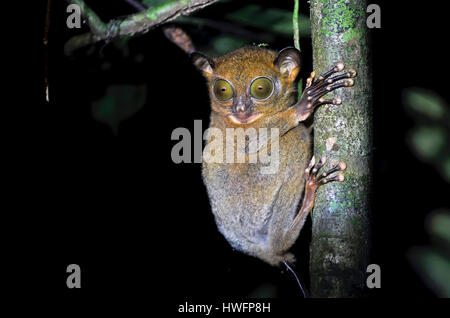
244, 119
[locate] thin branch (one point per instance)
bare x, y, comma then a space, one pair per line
174, 34
295, 26
140, 22
297, 41
45, 41
136, 4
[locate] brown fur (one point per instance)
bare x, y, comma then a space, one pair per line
252, 210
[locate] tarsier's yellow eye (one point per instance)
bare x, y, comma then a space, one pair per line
223, 90
261, 88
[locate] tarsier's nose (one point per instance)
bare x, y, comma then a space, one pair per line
241, 106
242, 111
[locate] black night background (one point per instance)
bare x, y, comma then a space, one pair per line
112, 201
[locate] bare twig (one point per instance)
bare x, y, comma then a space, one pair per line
137, 5
297, 41
140, 22
47, 28
295, 26
174, 34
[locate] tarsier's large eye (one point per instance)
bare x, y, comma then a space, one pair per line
223, 90
261, 88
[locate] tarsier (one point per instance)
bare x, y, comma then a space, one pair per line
262, 214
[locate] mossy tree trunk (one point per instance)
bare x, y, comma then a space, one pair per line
341, 231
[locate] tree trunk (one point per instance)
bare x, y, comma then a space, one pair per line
340, 231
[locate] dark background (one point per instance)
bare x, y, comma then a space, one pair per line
137, 223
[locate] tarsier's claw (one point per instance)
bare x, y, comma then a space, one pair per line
339, 67
342, 166
337, 101
352, 72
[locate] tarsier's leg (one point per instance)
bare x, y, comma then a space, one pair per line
316, 88
313, 181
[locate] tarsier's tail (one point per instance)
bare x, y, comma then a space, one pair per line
296, 277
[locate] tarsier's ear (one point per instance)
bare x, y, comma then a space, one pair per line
203, 63
288, 62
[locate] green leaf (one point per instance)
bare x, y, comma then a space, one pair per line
438, 225
425, 102
433, 267
427, 141
119, 103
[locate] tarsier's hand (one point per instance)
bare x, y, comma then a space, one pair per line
316, 88
314, 180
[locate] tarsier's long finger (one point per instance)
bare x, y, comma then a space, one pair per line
319, 165
322, 101
310, 79
311, 164
337, 68
338, 178
339, 167
350, 74
324, 90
